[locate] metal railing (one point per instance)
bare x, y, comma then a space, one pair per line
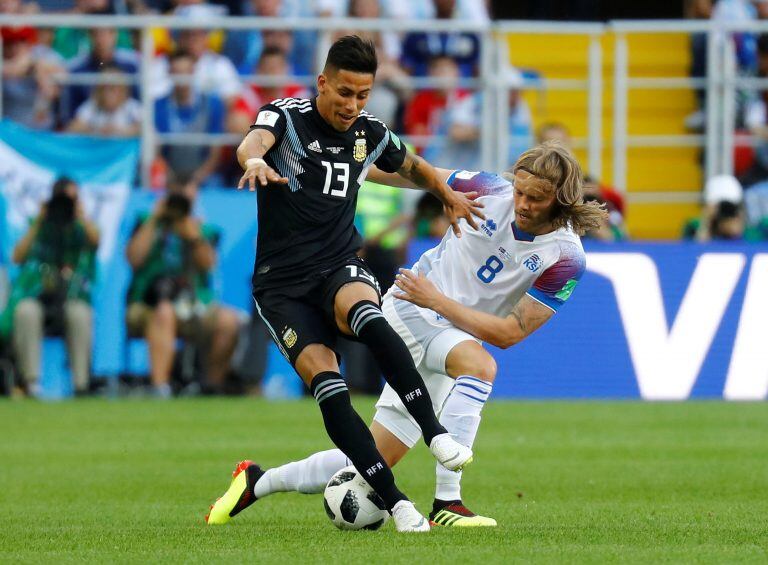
721, 82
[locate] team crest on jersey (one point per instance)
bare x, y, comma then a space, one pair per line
489, 227
533, 263
360, 151
289, 337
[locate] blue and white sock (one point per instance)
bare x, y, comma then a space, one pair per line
461, 417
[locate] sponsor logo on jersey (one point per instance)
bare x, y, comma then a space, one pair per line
289, 338
489, 227
315, 146
533, 263
267, 118
360, 151
505, 254
335, 150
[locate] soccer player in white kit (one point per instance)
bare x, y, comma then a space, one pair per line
496, 284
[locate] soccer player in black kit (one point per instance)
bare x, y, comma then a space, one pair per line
308, 158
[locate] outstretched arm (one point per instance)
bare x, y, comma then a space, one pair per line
250, 155
394, 179
527, 315
457, 204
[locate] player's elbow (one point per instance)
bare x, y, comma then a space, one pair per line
506, 339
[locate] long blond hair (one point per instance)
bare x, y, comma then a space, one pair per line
552, 162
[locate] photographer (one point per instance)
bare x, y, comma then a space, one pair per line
172, 254
52, 293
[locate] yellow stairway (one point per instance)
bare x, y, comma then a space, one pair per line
650, 112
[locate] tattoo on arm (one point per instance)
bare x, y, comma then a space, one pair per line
413, 169
517, 316
260, 141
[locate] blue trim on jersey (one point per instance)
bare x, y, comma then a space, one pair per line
544, 298
451, 178
521, 235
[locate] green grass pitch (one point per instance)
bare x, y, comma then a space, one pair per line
130, 481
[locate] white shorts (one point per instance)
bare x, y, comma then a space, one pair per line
429, 338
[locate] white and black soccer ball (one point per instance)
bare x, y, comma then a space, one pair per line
352, 504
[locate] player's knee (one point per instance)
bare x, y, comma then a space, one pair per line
484, 369
163, 314
349, 299
227, 322
315, 359
361, 314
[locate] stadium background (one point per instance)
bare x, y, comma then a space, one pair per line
623, 89
594, 477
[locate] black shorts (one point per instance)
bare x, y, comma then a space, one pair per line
302, 314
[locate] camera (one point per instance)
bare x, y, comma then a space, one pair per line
60, 209
177, 207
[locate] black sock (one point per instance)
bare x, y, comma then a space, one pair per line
350, 434
368, 323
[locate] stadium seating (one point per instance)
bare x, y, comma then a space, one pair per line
650, 112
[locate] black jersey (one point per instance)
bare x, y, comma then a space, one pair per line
308, 225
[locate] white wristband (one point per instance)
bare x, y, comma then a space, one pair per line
253, 161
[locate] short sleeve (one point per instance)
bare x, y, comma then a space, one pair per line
393, 153
485, 184
556, 284
272, 119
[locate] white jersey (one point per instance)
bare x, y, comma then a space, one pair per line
491, 268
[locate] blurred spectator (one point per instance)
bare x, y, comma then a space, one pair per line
612, 227
272, 64
213, 74
423, 111
165, 39
172, 255
756, 121
461, 125
104, 53
187, 111
110, 110
244, 48
18, 7
466, 10
30, 90
72, 42
559, 132
722, 215
699, 10
430, 221
419, 48
52, 292
391, 80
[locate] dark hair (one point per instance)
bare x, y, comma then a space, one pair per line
179, 54
762, 44
351, 53
272, 50
726, 210
61, 184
